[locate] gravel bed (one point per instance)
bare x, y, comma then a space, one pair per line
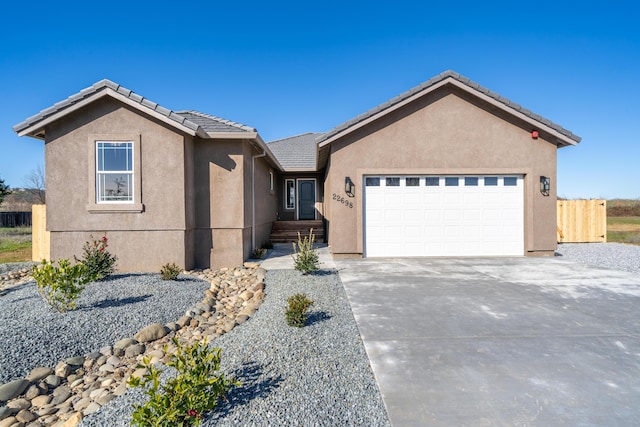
15, 266
33, 334
617, 256
318, 375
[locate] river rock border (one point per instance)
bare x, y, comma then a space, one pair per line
79, 386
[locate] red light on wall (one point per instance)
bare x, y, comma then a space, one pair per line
534, 134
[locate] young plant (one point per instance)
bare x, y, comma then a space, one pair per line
305, 257
183, 400
60, 286
297, 313
170, 271
99, 262
258, 253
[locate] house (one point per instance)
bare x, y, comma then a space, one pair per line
447, 168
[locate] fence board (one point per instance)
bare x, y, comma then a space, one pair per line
582, 221
39, 234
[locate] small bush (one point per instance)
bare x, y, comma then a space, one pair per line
297, 312
267, 245
170, 271
60, 286
258, 253
183, 400
305, 256
96, 257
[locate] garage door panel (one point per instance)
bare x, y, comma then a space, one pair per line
463, 220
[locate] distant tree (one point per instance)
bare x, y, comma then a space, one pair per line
4, 190
36, 180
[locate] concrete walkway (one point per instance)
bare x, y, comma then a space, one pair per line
499, 341
280, 257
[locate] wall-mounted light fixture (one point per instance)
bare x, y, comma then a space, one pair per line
545, 185
349, 187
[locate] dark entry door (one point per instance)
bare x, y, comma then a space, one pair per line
306, 199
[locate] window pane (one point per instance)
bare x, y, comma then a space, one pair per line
510, 181
392, 182
372, 182
115, 156
471, 181
114, 187
490, 181
451, 181
412, 182
432, 181
290, 194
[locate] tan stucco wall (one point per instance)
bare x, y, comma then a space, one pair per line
442, 133
156, 234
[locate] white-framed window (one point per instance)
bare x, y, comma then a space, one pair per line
290, 194
114, 172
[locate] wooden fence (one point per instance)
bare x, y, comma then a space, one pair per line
40, 237
582, 221
15, 219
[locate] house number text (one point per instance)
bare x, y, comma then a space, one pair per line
342, 200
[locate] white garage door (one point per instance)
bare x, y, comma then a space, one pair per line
444, 215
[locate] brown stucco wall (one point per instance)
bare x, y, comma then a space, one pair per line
154, 236
445, 132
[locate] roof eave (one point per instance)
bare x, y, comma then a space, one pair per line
36, 128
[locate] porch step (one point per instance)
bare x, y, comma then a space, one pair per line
287, 231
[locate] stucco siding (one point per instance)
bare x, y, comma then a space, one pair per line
443, 133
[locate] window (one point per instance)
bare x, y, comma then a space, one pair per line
490, 181
392, 182
510, 181
451, 181
290, 194
114, 172
372, 181
471, 181
432, 181
412, 182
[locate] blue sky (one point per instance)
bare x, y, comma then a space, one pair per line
291, 67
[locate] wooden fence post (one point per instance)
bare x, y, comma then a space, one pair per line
40, 237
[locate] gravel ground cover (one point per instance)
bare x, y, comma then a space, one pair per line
318, 375
32, 334
616, 256
14, 266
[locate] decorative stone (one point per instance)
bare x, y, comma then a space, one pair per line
151, 332
52, 381
38, 373
40, 401
81, 404
60, 394
6, 412
73, 420
33, 391
183, 321
19, 404
93, 407
139, 373
251, 264
134, 350
246, 295
12, 389
105, 398
229, 326
62, 370
114, 361
75, 361
25, 416
106, 351
118, 352
120, 390
8, 422
101, 360
241, 319
46, 411
106, 368
124, 343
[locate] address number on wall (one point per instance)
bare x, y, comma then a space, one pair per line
342, 200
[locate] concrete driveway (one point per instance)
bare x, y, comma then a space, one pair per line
499, 341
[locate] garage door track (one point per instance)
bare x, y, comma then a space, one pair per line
499, 341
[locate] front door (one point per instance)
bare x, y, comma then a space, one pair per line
306, 199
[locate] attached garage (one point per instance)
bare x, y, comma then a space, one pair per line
451, 215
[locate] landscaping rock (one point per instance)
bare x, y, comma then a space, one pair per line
124, 343
19, 404
75, 361
12, 389
134, 350
25, 416
60, 394
38, 373
6, 412
152, 332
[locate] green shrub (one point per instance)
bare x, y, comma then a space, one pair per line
99, 262
183, 400
305, 257
259, 253
297, 312
170, 271
60, 286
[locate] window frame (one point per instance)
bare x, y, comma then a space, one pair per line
135, 205
287, 205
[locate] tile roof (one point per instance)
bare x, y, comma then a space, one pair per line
193, 120
212, 123
435, 80
296, 153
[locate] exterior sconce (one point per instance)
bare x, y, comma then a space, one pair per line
349, 187
545, 185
